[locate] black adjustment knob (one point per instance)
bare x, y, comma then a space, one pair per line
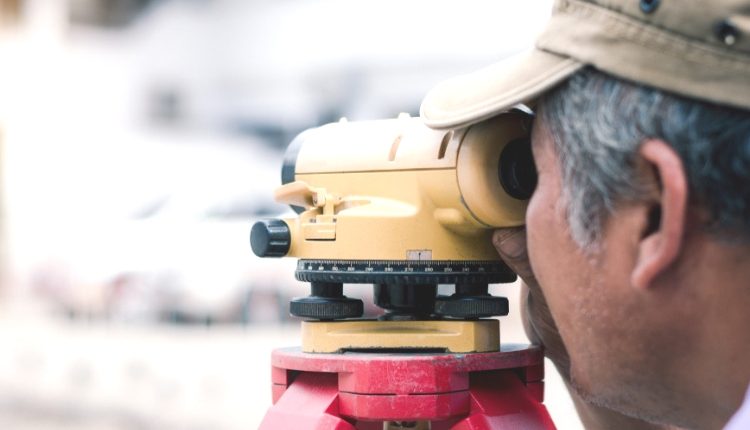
471, 307
471, 301
326, 302
270, 238
322, 308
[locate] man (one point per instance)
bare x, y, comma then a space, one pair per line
638, 233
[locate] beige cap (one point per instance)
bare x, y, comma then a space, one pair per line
695, 48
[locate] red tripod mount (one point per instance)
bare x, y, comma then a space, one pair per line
360, 391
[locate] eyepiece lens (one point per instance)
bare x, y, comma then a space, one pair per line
516, 169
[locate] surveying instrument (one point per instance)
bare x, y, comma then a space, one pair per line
405, 208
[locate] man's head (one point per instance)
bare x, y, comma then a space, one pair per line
639, 233
599, 122
639, 229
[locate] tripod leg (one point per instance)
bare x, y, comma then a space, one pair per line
309, 403
500, 401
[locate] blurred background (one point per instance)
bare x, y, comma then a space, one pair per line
139, 141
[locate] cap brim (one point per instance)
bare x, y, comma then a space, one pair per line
471, 98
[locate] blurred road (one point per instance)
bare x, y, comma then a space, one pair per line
66, 375
57, 374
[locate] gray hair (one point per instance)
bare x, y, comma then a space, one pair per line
598, 123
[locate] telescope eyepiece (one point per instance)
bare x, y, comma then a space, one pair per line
516, 169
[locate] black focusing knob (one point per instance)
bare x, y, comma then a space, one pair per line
270, 238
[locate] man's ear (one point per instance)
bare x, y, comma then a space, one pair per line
662, 238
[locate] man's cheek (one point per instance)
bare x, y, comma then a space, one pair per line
535, 227
543, 244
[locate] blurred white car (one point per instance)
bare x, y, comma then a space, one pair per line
199, 262
184, 255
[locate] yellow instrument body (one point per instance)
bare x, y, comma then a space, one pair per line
398, 190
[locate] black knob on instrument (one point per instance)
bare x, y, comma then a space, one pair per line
471, 307
326, 302
471, 301
270, 238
